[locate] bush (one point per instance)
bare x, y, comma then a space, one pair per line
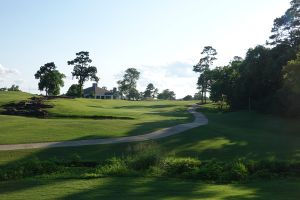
238, 171
143, 161
178, 166
211, 170
28, 168
114, 167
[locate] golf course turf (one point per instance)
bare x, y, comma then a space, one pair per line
228, 136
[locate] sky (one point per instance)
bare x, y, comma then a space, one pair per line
163, 39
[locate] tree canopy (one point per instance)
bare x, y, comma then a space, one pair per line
150, 92
82, 70
202, 67
127, 86
167, 95
50, 79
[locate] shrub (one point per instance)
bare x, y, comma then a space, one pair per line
178, 166
114, 167
28, 168
238, 171
143, 161
211, 170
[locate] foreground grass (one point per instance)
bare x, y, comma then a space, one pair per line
146, 188
72, 119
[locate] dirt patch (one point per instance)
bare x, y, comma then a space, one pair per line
34, 107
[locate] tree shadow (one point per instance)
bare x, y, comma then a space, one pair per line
215, 140
145, 107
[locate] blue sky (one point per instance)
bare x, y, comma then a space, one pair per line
161, 38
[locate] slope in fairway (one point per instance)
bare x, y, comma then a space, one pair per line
73, 119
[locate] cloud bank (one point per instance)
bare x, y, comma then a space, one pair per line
177, 76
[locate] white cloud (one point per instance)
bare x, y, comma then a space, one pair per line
4, 72
177, 76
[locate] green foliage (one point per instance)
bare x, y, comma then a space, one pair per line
50, 79
238, 171
115, 167
289, 94
13, 88
178, 166
202, 67
28, 168
74, 91
143, 161
286, 29
261, 82
150, 92
82, 70
188, 98
127, 86
158, 166
167, 95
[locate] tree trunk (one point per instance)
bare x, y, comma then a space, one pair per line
249, 104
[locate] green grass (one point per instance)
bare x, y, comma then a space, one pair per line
146, 188
69, 119
226, 137
12, 97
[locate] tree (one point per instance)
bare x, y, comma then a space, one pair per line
150, 91
50, 79
289, 94
13, 88
82, 70
197, 96
115, 93
167, 95
286, 29
74, 91
127, 86
187, 98
133, 94
202, 67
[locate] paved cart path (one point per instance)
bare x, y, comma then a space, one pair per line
199, 120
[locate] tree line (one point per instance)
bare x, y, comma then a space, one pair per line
51, 80
266, 80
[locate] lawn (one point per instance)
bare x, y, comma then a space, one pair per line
228, 136
73, 119
146, 188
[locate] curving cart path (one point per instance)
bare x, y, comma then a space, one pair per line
199, 120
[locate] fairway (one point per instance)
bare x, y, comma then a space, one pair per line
75, 119
228, 136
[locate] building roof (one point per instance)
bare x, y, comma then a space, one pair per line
97, 91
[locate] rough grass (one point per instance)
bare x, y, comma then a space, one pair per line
73, 119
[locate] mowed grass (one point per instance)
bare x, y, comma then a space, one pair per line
227, 136
73, 119
146, 188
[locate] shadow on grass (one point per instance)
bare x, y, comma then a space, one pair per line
143, 107
227, 136
98, 117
